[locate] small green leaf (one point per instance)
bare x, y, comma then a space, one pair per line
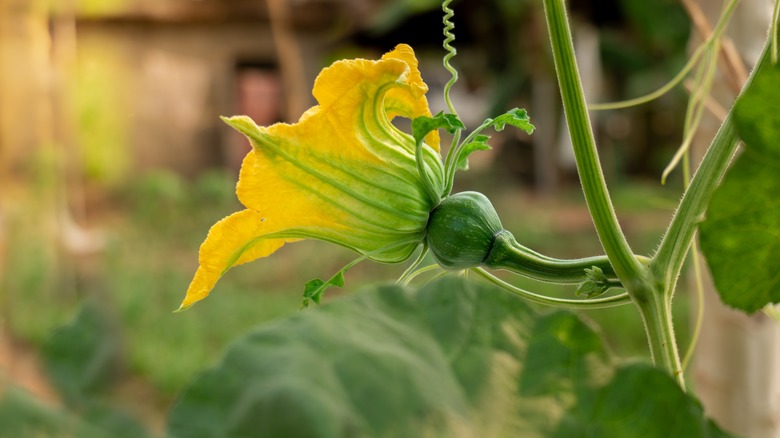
314, 289
739, 236
596, 284
422, 125
515, 117
478, 144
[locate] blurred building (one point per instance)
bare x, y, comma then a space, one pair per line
108, 88
114, 86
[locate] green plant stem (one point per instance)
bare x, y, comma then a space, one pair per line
508, 254
657, 93
626, 265
656, 311
696, 261
705, 46
413, 267
418, 272
696, 105
596, 303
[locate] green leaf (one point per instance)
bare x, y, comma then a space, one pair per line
452, 359
740, 236
422, 125
515, 117
660, 410
478, 144
314, 289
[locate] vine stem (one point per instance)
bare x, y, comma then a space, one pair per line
654, 306
594, 303
627, 266
656, 310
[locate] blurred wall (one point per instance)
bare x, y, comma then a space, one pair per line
25, 110
114, 87
165, 85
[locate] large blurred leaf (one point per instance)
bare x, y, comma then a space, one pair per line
741, 234
640, 401
455, 359
82, 356
22, 416
83, 360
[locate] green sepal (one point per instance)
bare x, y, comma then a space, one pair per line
516, 117
478, 144
314, 289
422, 125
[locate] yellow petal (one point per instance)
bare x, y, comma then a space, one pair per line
364, 209
236, 239
344, 173
405, 53
406, 105
357, 82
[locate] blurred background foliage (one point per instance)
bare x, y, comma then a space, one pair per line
113, 166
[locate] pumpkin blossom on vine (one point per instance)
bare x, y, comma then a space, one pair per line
343, 173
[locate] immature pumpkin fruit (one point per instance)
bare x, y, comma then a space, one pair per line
462, 230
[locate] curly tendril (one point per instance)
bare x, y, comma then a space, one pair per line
449, 37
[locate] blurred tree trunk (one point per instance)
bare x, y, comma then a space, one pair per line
546, 104
38, 153
25, 111
291, 62
736, 371
25, 116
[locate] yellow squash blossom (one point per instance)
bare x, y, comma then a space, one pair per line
343, 173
